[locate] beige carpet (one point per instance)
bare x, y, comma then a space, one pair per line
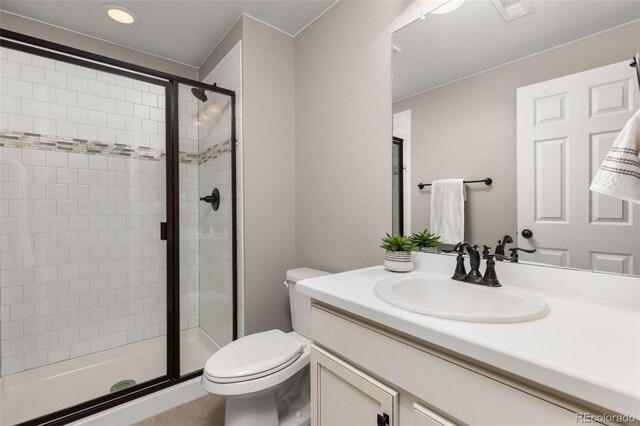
208, 410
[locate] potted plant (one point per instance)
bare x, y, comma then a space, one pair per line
398, 253
425, 241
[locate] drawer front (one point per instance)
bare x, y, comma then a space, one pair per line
422, 416
466, 396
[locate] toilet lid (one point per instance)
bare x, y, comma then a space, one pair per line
253, 356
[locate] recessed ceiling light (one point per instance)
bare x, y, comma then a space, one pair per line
120, 13
448, 7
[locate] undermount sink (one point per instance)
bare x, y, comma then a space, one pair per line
447, 298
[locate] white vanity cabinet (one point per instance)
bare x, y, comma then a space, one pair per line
360, 371
346, 396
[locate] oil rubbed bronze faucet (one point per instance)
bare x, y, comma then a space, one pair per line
506, 239
474, 276
489, 279
500, 250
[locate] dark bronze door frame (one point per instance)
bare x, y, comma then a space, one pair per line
400, 144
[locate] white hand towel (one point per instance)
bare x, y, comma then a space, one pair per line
447, 210
619, 174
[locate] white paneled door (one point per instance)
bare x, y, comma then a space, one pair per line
566, 127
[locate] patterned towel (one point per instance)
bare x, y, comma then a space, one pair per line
619, 174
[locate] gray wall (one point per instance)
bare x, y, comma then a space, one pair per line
268, 174
467, 129
343, 135
224, 46
41, 30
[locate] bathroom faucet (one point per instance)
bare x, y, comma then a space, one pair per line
489, 279
474, 276
506, 239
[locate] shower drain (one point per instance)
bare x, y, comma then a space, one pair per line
122, 384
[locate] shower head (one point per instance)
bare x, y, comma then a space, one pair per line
199, 93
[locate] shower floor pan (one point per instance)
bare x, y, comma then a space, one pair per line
50, 388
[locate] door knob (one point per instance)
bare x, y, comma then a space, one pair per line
527, 233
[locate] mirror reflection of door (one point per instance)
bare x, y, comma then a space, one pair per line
397, 188
565, 128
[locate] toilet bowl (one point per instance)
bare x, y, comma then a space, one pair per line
265, 376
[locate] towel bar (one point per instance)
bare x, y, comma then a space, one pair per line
486, 181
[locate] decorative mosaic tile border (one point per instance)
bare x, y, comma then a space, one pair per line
217, 150
83, 146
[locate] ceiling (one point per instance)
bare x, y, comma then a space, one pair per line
183, 31
474, 38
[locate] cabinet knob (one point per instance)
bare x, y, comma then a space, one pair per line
527, 233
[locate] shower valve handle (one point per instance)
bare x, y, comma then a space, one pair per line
213, 199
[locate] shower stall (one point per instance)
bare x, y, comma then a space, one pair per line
117, 230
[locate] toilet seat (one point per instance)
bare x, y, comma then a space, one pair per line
258, 372
252, 357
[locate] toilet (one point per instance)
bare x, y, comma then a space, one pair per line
265, 376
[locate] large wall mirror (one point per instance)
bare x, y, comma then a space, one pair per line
532, 95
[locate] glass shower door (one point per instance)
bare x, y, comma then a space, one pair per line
83, 275
207, 233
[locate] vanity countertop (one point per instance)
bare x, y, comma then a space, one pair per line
583, 347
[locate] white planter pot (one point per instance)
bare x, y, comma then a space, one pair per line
398, 261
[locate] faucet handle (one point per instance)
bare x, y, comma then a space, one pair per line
516, 249
514, 253
460, 273
485, 250
490, 278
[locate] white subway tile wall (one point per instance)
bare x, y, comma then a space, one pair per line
402, 130
82, 268
215, 227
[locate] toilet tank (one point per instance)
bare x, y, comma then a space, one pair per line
300, 303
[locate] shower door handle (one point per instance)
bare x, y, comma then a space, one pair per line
163, 231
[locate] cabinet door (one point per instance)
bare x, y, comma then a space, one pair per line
345, 396
422, 416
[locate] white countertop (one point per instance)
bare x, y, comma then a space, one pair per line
583, 347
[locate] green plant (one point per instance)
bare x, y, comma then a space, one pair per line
397, 243
426, 239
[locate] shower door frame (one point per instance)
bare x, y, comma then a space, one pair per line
21, 42
400, 143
